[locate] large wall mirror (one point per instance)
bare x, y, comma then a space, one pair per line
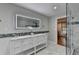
23, 22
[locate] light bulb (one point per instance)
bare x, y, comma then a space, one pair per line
55, 7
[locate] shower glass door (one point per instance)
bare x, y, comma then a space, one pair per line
69, 40
75, 27
72, 41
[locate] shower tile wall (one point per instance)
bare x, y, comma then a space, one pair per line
75, 35
75, 32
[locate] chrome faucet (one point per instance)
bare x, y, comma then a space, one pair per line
31, 30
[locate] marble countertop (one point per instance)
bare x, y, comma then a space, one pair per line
28, 34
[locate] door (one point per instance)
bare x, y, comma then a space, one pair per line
61, 31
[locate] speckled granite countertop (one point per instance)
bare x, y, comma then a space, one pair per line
21, 34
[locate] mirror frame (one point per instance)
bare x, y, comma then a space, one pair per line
29, 18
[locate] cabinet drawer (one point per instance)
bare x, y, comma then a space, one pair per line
15, 43
27, 46
39, 40
26, 41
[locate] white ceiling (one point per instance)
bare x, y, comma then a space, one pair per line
46, 8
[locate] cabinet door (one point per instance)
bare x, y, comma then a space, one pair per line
15, 46
35, 41
39, 40
27, 43
4, 46
43, 39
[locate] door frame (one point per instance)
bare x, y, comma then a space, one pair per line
61, 17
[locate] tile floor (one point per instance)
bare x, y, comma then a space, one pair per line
53, 50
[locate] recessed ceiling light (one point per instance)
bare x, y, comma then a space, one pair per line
55, 7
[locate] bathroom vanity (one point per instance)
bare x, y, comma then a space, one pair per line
23, 45
26, 43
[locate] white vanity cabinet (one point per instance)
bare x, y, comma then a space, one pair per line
15, 46
39, 39
20, 44
28, 44
4, 46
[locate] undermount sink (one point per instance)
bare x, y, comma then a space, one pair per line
32, 33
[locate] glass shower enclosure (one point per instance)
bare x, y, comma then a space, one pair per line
69, 40
72, 41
